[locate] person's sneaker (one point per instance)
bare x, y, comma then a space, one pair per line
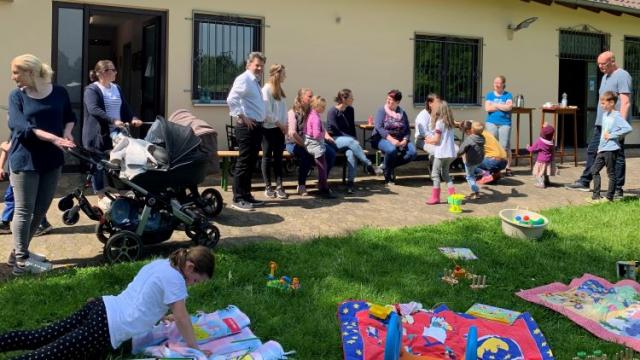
253, 201
619, 195
11, 261
540, 185
577, 186
5, 228
281, 194
242, 205
374, 170
43, 229
326, 194
508, 172
486, 179
473, 196
269, 192
350, 189
302, 190
32, 266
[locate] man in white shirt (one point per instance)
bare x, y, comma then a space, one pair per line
248, 110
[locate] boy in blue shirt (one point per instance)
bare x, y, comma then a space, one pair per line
614, 128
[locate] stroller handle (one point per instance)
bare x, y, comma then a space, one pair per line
90, 157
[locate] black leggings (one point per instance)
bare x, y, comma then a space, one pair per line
83, 335
272, 147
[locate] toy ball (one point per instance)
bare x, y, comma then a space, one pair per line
518, 217
286, 279
525, 218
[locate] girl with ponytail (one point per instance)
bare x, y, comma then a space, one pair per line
105, 323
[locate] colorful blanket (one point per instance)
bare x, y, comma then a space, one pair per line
439, 333
609, 311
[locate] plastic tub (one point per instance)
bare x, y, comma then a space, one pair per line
515, 229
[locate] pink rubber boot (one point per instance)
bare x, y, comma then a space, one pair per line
435, 197
451, 190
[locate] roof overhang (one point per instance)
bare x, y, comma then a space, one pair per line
594, 6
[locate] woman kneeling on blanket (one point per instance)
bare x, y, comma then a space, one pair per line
107, 322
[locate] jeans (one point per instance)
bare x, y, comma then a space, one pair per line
272, 146
353, 152
470, 175
608, 159
249, 141
592, 151
393, 157
440, 171
306, 160
493, 164
33, 192
9, 208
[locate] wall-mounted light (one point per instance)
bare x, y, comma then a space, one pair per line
522, 25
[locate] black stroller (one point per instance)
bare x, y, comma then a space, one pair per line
161, 199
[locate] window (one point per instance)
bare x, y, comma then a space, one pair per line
632, 65
221, 45
449, 66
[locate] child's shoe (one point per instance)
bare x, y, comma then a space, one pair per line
435, 197
281, 194
302, 190
451, 190
269, 192
473, 196
486, 179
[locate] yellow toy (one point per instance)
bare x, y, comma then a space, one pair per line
455, 203
379, 311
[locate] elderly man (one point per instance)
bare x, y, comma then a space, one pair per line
248, 110
617, 80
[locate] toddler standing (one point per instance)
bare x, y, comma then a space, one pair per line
545, 148
445, 151
314, 134
473, 150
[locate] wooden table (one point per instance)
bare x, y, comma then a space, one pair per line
570, 110
516, 152
366, 127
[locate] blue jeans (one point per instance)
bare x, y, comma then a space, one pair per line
9, 205
393, 157
592, 151
470, 175
353, 152
306, 160
493, 164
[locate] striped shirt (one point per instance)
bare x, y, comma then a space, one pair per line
112, 100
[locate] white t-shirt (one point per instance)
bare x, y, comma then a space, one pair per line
422, 125
447, 146
144, 302
276, 109
112, 100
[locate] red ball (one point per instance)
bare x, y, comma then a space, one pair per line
526, 218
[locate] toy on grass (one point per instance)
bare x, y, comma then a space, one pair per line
380, 312
627, 269
527, 220
448, 277
284, 283
455, 203
273, 266
478, 282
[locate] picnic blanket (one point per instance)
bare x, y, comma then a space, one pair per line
225, 333
609, 311
438, 333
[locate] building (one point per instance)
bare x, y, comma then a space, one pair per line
184, 54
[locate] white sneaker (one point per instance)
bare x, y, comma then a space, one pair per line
302, 190
37, 257
104, 204
35, 267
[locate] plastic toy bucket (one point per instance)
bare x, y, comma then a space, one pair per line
514, 229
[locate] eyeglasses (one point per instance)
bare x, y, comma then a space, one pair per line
108, 70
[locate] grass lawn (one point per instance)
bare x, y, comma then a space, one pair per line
379, 265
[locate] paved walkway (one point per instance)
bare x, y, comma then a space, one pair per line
302, 218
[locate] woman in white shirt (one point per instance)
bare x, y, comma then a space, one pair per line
274, 129
105, 323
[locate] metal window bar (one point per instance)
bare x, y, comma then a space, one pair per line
221, 45
448, 66
632, 65
581, 45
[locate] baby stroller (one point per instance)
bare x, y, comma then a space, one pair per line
160, 199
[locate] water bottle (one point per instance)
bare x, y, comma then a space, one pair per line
563, 103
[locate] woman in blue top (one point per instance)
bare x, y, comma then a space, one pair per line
499, 104
105, 110
391, 135
41, 120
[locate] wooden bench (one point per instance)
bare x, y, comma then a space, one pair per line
226, 156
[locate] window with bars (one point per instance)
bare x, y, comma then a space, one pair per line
449, 66
220, 49
632, 65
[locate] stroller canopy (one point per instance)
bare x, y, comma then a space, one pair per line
179, 141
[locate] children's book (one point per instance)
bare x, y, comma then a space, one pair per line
458, 253
493, 313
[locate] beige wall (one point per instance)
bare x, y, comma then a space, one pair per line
370, 50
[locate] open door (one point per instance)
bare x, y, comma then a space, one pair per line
152, 103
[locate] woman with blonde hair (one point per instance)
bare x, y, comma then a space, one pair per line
274, 128
41, 121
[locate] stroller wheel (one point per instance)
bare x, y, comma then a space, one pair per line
123, 246
212, 202
103, 232
65, 203
71, 216
209, 236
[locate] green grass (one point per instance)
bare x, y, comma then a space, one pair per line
379, 265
